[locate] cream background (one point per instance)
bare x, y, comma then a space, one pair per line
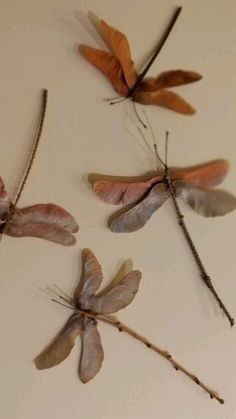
83, 134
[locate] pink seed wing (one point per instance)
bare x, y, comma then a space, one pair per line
41, 231
49, 214
165, 99
125, 193
203, 175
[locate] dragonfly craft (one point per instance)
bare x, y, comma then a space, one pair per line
118, 68
86, 299
46, 221
91, 307
141, 198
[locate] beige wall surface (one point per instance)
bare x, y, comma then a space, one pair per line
83, 134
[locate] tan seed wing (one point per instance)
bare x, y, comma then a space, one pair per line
119, 46
117, 193
168, 79
117, 297
165, 99
91, 278
209, 203
136, 217
91, 352
61, 346
108, 65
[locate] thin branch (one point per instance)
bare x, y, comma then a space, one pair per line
166, 148
159, 159
165, 354
205, 277
142, 135
63, 293
138, 117
115, 101
35, 147
158, 49
62, 304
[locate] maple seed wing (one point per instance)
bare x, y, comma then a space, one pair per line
108, 65
61, 346
119, 46
3, 192
117, 193
136, 217
41, 231
50, 214
203, 175
117, 297
46, 221
174, 78
209, 203
4, 203
91, 278
92, 354
165, 99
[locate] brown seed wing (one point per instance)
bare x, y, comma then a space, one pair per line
117, 297
61, 346
92, 354
136, 217
4, 203
108, 65
209, 203
91, 278
3, 192
119, 46
168, 79
165, 99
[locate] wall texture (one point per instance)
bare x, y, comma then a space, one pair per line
83, 134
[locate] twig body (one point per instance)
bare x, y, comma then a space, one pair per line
165, 354
205, 277
131, 92
126, 329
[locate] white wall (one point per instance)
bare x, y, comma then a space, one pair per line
82, 135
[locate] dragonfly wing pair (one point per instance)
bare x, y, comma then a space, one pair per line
192, 184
